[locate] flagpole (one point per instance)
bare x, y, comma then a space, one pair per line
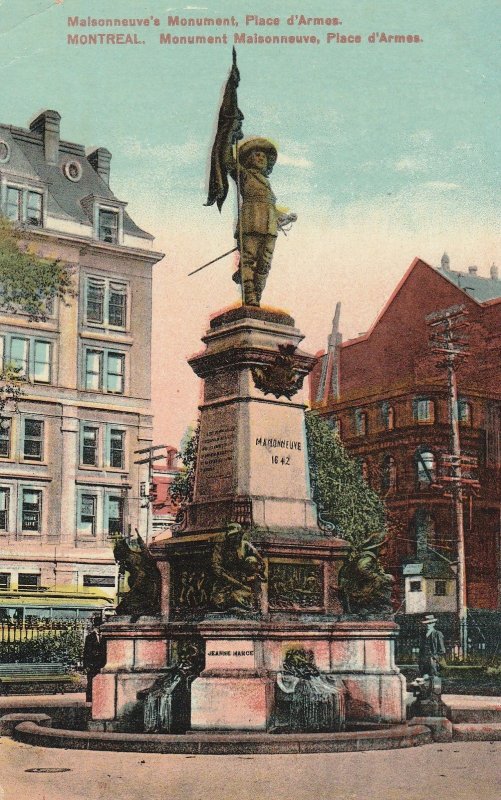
239, 223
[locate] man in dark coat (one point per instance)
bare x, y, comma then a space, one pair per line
431, 647
94, 655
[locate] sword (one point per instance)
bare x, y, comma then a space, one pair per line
284, 224
213, 261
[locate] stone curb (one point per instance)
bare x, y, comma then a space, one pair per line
471, 732
8, 722
221, 744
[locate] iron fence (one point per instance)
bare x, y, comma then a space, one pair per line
42, 641
482, 629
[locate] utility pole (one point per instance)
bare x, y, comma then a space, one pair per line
448, 341
149, 459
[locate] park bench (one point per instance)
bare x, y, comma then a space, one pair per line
55, 674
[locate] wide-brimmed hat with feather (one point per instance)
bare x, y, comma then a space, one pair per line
248, 146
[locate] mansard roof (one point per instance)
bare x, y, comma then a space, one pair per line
28, 162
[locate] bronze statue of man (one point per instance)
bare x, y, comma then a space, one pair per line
257, 227
259, 220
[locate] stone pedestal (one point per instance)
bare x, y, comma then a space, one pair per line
359, 654
252, 469
136, 654
252, 465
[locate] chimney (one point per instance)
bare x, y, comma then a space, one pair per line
99, 160
445, 263
494, 273
47, 123
473, 270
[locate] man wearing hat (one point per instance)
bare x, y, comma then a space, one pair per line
431, 647
257, 227
94, 655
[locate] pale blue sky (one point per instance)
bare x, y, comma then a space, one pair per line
387, 151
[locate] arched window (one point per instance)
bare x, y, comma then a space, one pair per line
360, 422
424, 410
388, 415
390, 420
388, 474
426, 468
464, 412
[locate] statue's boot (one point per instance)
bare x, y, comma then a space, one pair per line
250, 298
260, 283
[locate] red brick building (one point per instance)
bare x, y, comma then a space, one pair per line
164, 510
388, 400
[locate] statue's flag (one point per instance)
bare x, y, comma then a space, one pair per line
229, 130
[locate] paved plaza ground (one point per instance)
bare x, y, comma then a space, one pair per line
466, 771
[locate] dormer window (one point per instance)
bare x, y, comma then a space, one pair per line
24, 205
107, 216
108, 226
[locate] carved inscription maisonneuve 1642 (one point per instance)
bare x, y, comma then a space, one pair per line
295, 586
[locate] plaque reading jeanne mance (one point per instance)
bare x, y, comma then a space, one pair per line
295, 585
229, 654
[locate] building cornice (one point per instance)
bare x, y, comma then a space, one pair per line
86, 245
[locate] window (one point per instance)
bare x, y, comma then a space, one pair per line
34, 208
117, 305
31, 510
87, 522
116, 449
4, 580
440, 588
28, 582
90, 445
41, 362
31, 357
93, 370
388, 474
104, 371
424, 410
4, 509
33, 440
464, 412
360, 422
108, 226
114, 373
5, 436
415, 586
115, 516
24, 205
19, 355
106, 302
426, 468
95, 300
387, 416
14, 207
335, 424
99, 580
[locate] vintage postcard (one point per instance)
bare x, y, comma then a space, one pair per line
250, 405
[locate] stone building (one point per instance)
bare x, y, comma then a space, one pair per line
68, 481
385, 395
